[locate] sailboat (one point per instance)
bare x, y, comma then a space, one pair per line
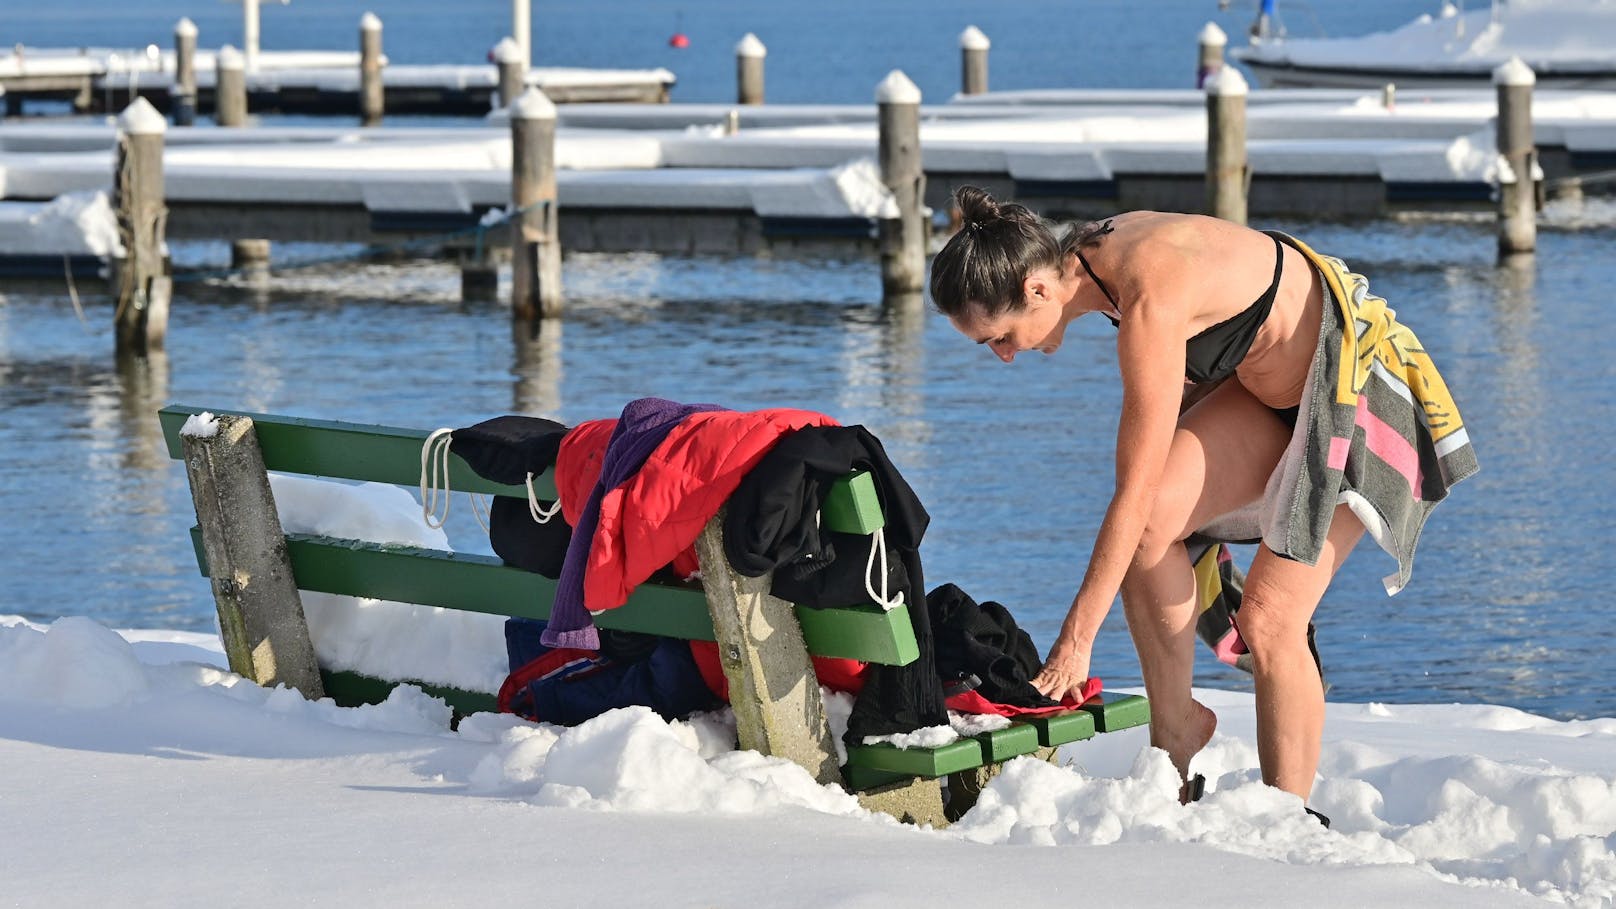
1567, 43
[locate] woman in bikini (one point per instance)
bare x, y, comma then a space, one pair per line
1207, 312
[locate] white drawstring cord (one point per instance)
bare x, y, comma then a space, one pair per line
435, 478
879, 545
539, 512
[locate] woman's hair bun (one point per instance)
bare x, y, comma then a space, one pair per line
975, 205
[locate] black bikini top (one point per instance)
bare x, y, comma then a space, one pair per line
1212, 354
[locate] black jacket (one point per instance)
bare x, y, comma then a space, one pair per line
772, 524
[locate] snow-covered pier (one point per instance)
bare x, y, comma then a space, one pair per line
300, 82
692, 178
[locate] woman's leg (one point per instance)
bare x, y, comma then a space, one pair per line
1280, 596
1224, 450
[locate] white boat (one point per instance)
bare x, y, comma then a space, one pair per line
1567, 43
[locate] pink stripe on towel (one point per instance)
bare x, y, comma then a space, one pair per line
1388, 445
1338, 452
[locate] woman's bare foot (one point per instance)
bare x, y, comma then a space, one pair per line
1184, 737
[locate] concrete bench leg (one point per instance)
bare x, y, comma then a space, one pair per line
772, 685
915, 801
260, 614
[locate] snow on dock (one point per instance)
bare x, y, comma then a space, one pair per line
309, 82
643, 176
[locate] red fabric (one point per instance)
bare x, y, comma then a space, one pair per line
577, 470
834, 673
657, 515
973, 702
538, 668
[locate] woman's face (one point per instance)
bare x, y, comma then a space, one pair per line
1039, 325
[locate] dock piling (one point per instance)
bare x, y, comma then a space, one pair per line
535, 239
230, 88
250, 256
512, 70
143, 285
1227, 171
1517, 153
1212, 43
370, 70
184, 102
749, 54
903, 233
974, 47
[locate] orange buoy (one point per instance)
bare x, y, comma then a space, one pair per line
679, 39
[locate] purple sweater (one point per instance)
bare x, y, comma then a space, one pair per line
643, 426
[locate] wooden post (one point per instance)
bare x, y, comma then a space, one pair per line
1517, 154
184, 98
230, 88
535, 242
512, 71
522, 30
1226, 167
249, 33
974, 46
903, 233
371, 101
1212, 42
250, 256
772, 686
749, 54
144, 287
266, 637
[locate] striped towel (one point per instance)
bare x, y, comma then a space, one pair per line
1378, 431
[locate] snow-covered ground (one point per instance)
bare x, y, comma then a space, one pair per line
138, 771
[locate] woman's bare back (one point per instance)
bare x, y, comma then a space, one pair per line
1215, 270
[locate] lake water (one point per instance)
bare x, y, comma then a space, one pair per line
1014, 463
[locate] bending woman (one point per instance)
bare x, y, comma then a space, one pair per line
1301, 434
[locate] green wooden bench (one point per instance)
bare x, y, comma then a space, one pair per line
256, 570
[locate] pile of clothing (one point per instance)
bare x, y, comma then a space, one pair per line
635, 492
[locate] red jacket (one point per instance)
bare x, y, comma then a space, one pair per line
654, 519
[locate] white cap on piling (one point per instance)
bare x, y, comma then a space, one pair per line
185, 27
750, 46
1514, 71
141, 119
369, 22
973, 39
1226, 82
533, 105
229, 58
897, 88
507, 50
1211, 34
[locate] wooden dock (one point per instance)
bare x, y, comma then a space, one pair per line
103, 80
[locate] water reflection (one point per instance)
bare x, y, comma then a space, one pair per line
536, 368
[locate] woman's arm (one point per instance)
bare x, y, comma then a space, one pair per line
1150, 347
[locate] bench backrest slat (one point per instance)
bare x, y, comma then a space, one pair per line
477, 583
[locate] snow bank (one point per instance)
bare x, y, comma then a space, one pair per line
1503, 803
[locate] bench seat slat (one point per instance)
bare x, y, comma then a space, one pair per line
479, 583
1114, 711
1063, 728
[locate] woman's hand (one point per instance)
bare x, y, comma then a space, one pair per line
1063, 675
